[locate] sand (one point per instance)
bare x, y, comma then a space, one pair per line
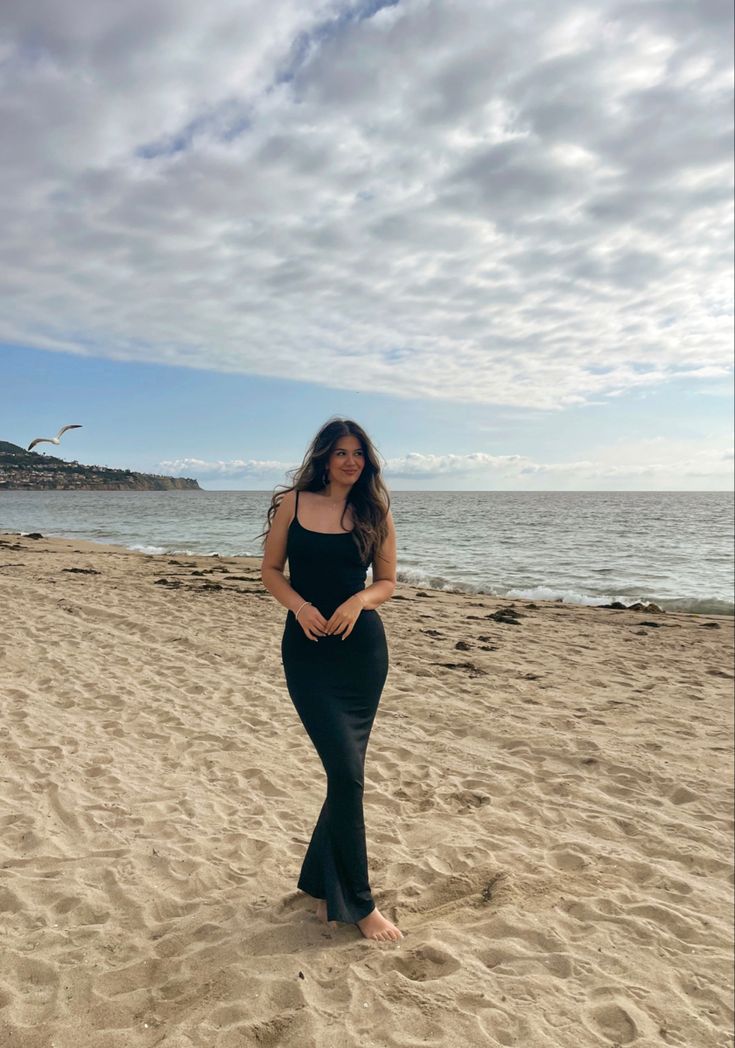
548, 810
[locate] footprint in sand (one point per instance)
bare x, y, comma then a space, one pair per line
427, 962
566, 859
616, 1018
463, 801
683, 795
614, 1022
514, 962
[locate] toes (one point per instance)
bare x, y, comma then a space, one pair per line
386, 934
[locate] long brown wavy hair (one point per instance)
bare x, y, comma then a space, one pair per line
368, 497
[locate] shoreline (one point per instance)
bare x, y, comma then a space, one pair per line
452, 590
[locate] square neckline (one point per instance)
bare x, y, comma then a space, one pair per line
311, 530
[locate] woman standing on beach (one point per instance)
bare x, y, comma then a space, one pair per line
330, 524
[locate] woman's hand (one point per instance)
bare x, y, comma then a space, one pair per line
312, 622
345, 616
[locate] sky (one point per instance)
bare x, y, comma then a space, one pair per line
497, 235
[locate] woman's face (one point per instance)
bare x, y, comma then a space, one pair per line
347, 460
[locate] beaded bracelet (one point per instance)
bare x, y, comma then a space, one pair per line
296, 614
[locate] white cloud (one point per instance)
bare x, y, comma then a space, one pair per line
254, 468
482, 201
626, 459
661, 462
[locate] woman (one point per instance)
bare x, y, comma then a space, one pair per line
330, 524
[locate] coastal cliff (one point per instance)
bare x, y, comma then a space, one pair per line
27, 470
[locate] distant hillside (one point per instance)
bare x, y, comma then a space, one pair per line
30, 471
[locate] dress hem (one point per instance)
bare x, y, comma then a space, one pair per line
343, 917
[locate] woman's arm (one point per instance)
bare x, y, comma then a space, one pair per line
384, 571
274, 555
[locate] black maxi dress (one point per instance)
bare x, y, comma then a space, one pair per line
335, 685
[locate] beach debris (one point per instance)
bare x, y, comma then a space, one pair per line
52, 440
420, 593
507, 615
462, 645
32, 535
485, 645
710, 626
617, 605
431, 633
472, 669
173, 583
653, 625
83, 571
488, 890
466, 800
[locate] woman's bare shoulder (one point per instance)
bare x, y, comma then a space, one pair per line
288, 498
285, 506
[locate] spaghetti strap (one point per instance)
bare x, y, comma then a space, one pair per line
296, 510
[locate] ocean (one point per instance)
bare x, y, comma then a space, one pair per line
582, 547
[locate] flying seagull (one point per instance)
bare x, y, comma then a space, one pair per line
52, 440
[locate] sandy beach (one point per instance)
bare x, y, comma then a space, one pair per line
548, 801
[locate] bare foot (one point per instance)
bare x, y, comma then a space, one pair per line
321, 912
376, 926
